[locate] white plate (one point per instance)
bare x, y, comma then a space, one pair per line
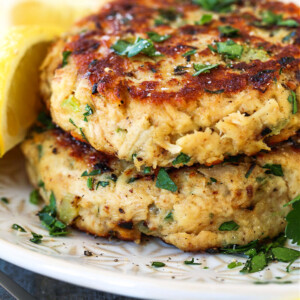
124, 267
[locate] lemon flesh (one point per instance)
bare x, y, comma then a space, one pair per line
22, 51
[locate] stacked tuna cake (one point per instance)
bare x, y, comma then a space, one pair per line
195, 111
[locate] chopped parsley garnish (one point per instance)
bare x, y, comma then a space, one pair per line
234, 264
122, 47
228, 31
113, 177
166, 16
274, 169
89, 111
257, 263
157, 264
292, 230
40, 151
221, 6
293, 100
285, 254
190, 52
169, 216
133, 179
4, 200
250, 170
48, 218
268, 18
214, 180
261, 253
191, 262
229, 49
181, 159
41, 184
34, 197
163, 181
180, 70
203, 68
72, 122
36, 238
147, 170
205, 19
83, 135
18, 228
92, 173
155, 37
102, 183
65, 56
229, 226
90, 183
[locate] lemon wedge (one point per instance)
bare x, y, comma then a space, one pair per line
61, 13
22, 50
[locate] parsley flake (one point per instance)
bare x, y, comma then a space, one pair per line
169, 216
234, 264
205, 19
92, 173
181, 159
102, 183
4, 200
221, 6
274, 169
163, 181
157, 264
293, 100
36, 238
292, 230
229, 226
34, 197
18, 228
190, 52
155, 37
191, 262
65, 56
230, 49
228, 31
48, 218
125, 48
203, 68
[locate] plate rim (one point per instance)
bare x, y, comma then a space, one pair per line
135, 285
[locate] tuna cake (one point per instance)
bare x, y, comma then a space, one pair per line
193, 208
149, 80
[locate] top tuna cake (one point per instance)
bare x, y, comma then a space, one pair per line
172, 82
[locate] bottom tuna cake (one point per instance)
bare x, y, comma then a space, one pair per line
193, 208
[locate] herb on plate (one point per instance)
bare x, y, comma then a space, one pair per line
158, 264
18, 228
191, 262
48, 218
36, 238
221, 6
65, 56
228, 31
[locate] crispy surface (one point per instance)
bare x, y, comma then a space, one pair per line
143, 106
188, 218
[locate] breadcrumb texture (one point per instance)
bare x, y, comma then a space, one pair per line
189, 218
147, 107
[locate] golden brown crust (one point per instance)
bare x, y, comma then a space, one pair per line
130, 203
